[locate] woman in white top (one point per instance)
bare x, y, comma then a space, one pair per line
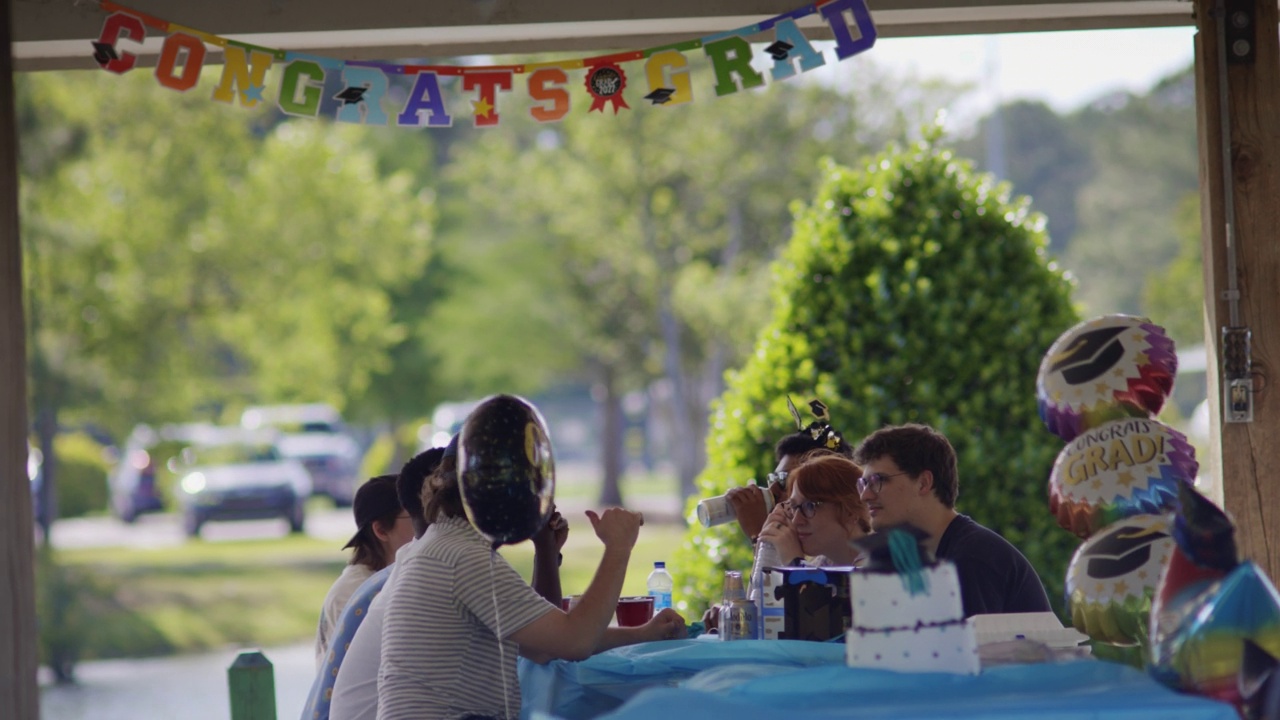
822, 515
383, 526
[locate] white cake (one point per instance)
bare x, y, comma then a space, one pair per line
895, 630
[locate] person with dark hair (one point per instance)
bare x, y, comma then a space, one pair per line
822, 515
909, 476
459, 615
409, 485
382, 528
355, 690
818, 438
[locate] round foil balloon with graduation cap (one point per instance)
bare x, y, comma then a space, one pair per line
1106, 368
1113, 576
1120, 468
506, 472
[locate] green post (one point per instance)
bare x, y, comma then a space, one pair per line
253, 687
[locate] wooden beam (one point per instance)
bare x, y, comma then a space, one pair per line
1246, 461
18, 691
56, 35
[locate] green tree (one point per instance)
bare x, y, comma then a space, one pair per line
912, 290
1175, 298
656, 225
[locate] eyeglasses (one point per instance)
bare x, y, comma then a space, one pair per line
777, 477
806, 508
875, 481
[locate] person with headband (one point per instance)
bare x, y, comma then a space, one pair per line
815, 440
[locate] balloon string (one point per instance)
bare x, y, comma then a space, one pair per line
502, 651
905, 554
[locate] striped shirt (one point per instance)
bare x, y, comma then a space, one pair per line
453, 598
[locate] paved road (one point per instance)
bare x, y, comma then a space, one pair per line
152, 531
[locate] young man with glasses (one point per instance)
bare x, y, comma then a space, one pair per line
909, 476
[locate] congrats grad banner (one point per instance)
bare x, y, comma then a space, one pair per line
553, 86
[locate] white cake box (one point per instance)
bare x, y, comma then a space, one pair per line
896, 630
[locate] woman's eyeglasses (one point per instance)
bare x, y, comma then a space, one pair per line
806, 508
875, 481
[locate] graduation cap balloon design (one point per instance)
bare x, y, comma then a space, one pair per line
104, 53
1113, 576
779, 49
352, 95
1106, 368
660, 96
894, 548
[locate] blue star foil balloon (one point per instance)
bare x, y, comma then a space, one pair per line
506, 470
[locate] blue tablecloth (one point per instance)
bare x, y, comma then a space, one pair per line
763, 679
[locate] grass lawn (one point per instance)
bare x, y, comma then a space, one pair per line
202, 595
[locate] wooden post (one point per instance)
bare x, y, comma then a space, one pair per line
253, 687
1246, 458
18, 692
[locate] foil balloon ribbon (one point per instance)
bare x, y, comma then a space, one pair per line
1124, 467
1112, 579
1109, 367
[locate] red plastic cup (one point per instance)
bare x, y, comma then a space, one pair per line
568, 601
635, 610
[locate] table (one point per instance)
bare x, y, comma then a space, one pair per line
770, 679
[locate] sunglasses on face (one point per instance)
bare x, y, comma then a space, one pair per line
806, 508
875, 481
777, 477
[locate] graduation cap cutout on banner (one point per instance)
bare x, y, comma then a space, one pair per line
351, 95
104, 52
779, 49
661, 96
1090, 355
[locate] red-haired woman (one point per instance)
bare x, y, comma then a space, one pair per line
822, 515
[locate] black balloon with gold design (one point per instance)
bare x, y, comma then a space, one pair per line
506, 471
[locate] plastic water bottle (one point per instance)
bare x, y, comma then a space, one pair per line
660, 585
766, 557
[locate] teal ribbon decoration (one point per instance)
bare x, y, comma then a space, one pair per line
905, 554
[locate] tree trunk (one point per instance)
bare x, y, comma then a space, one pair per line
613, 447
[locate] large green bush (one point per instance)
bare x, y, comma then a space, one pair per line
913, 290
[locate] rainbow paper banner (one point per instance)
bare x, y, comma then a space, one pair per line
366, 97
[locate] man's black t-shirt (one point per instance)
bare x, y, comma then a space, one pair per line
994, 575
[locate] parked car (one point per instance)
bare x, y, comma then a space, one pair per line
332, 459
133, 482
301, 418
240, 475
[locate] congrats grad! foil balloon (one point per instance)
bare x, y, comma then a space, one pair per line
1112, 578
1118, 469
1106, 368
506, 471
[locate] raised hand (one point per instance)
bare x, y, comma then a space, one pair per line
617, 527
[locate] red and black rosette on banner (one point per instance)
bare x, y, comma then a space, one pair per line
606, 82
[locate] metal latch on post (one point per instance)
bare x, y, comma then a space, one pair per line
1237, 378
